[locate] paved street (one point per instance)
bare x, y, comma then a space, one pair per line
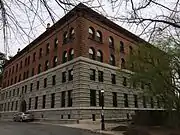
17, 128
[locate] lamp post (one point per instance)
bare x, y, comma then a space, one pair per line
102, 110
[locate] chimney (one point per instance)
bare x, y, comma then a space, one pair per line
18, 50
48, 26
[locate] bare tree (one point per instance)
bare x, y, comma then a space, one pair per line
153, 18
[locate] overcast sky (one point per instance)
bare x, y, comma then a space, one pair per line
24, 15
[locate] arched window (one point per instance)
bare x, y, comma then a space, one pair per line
123, 66
99, 56
55, 43
39, 68
55, 60
121, 47
112, 60
91, 33
71, 54
111, 42
64, 57
71, 33
65, 37
130, 50
92, 53
47, 48
46, 67
40, 54
99, 36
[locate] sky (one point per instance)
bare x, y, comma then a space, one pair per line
24, 13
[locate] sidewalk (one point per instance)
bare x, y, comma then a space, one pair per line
94, 127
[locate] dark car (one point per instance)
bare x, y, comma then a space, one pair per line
23, 116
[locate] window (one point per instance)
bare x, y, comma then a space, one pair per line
9, 93
111, 42
99, 56
37, 86
65, 37
64, 76
158, 103
144, 102
63, 94
54, 80
92, 74
92, 97
55, 43
12, 106
21, 64
39, 68
71, 54
99, 36
123, 63
16, 67
24, 75
29, 107
100, 99
40, 53
15, 80
134, 84
112, 60
12, 69
27, 74
69, 98
152, 102
25, 63
8, 106
13, 92
32, 73
22, 90
142, 85
29, 60
92, 53
45, 82
124, 81
91, 33
34, 56
114, 99
64, 57
25, 89
17, 91
31, 87
52, 100
130, 50
100, 76
16, 106
71, 33
69, 116
19, 78
47, 48
46, 67
113, 78
121, 47
70, 78
55, 60
135, 101
36, 103
44, 102
126, 100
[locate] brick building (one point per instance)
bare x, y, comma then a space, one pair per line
61, 73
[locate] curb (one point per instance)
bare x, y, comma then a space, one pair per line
87, 130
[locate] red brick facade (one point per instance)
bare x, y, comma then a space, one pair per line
76, 23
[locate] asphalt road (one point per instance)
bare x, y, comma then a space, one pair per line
17, 128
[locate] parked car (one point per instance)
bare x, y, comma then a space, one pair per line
23, 116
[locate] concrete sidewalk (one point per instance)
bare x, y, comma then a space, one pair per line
90, 126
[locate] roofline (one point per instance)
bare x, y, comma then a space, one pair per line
84, 9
